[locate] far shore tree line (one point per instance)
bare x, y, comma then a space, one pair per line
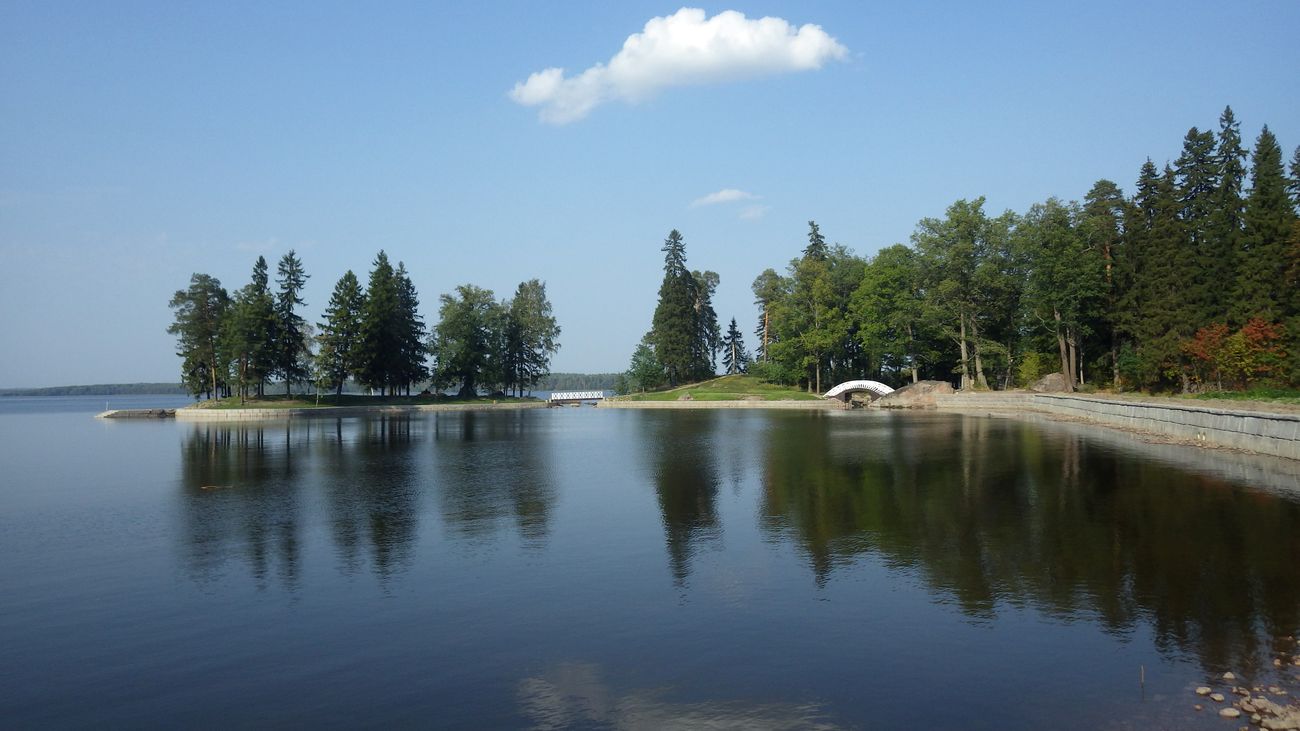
242, 343
1190, 284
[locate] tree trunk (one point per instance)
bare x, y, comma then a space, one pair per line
1063, 345
766, 315
980, 380
965, 358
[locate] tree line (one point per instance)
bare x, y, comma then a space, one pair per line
241, 343
1191, 283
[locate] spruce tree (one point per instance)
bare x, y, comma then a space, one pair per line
249, 336
381, 346
1225, 229
291, 351
675, 326
1267, 225
734, 358
1102, 227
340, 334
1197, 171
816, 248
409, 365
708, 335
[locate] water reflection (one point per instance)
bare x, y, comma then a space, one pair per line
681, 454
991, 511
495, 468
575, 695
249, 488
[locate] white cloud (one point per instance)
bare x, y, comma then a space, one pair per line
726, 195
753, 213
684, 48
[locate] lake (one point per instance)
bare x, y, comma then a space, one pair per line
602, 568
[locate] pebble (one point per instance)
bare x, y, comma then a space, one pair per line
1229, 676
1202, 690
1229, 712
1216, 697
1248, 707
1198, 707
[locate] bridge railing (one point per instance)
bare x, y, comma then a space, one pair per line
557, 396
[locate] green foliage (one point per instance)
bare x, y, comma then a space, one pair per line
466, 341
1034, 365
340, 334
200, 312
1267, 223
734, 357
684, 331
531, 337
291, 352
646, 372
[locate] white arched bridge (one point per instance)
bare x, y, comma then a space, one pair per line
846, 389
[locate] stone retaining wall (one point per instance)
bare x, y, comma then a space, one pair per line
1263, 432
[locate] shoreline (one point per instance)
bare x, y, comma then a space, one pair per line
1273, 433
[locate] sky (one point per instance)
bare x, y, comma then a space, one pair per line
491, 143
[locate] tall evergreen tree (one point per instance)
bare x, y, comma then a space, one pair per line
409, 366
249, 334
675, 326
1197, 171
1219, 261
291, 349
1267, 225
816, 248
708, 335
734, 358
1102, 226
340, 334
768, 287
200, 311
381, 344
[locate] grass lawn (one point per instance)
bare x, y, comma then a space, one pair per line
727, 388
308, 401
1269, 395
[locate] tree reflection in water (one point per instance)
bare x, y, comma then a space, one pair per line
993, 512
682, 456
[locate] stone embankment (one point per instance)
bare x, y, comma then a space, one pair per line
1276, 434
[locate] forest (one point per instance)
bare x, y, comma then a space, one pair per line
241, 343
1189, 284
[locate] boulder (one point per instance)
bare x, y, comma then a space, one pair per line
918, 395
1051, 383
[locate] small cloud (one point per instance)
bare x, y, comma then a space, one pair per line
753, 213
726, 195
683, 49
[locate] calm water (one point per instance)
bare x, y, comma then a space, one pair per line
605, 568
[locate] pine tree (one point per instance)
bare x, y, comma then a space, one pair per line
1102, 227
708, 335
1267, 225
291, 350
734, 358
340, 334
768, 287
200, 313
675, 326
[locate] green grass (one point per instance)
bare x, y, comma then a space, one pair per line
726, 388
308, 401
1273, 395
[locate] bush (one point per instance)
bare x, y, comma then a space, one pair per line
1034, 366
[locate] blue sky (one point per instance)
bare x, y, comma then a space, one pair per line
140, 143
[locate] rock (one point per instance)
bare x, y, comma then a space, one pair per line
1198, 707
1051, 383
1216, 697
1248, 707
1229, 712
918, 395
1288, 722
1229, 676
686, 397
1255, 719
1275, 690
1202, 690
